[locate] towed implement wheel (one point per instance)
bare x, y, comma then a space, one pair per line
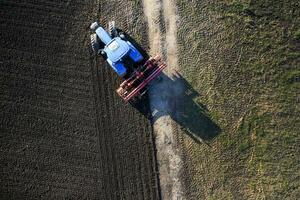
122, 92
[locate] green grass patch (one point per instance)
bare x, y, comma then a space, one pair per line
243, 58
297, 34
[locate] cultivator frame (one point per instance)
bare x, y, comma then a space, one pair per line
139, 79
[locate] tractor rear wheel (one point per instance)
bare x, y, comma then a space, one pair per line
103, 53
112, 29
121, 35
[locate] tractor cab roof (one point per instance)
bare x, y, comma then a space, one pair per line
116, 49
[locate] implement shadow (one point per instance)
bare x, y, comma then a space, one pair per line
178, 103
193, 117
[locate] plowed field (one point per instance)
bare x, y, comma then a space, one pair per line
64, 131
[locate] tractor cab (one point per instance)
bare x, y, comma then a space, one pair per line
116, 49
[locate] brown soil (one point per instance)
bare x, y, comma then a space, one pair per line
64, 131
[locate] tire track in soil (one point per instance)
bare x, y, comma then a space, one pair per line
64, 132
127, 134
162, 19
49, 147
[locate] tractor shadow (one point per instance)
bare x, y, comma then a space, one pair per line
180, 100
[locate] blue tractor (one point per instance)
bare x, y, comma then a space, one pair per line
126, 60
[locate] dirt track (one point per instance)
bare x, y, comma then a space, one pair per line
64, 131
161, 18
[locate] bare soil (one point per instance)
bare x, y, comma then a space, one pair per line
64, 131
161, 18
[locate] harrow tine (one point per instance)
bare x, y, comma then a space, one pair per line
156, 63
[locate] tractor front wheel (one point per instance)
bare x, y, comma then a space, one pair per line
95, 43
112, 29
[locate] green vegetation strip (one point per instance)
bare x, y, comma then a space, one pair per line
243, 58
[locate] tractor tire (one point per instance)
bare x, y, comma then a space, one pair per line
94, 26
122, 36
112, 29
104, 55
95, 43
